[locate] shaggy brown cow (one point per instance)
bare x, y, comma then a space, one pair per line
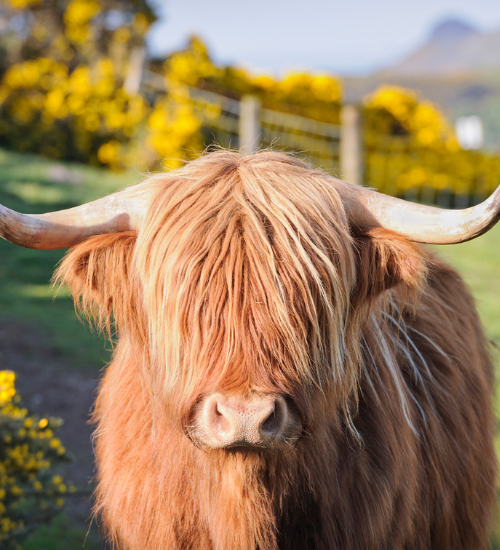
291, 372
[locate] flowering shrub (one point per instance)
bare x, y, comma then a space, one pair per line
68, 115
61, 86
174, 127
410, 146
395, 111
72, 105
31, 492
62, 94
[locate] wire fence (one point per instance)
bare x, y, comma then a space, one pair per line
220, 115
451, 179
317, 142
392, 164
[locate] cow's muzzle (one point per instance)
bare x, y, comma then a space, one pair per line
256, 420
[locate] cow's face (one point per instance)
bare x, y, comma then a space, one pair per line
243, 295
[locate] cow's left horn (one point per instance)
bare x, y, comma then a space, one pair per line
420, 223
121, 211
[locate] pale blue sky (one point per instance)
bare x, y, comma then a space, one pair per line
340, 36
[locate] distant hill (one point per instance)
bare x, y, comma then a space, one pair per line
454, 47
458, 68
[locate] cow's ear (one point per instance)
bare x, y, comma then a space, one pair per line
386, 260
97, 273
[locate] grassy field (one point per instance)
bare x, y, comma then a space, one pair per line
478, 262
33, 185
27, 185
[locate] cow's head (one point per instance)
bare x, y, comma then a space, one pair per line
240, 286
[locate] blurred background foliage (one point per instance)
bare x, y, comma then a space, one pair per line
65, 93
63, 68
409, 144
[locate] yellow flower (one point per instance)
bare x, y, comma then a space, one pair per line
140, 23
16, 491
23, 4
122, 35
109, 152
77, 16
55, 443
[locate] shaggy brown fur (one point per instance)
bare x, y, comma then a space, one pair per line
247, 277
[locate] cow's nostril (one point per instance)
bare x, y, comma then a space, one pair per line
222, 423
272, 424
269, 425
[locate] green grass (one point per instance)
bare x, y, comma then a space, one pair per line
478, 261
27, 185
61, 534
25, 292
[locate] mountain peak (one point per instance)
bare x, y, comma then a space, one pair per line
452, 29
454, 46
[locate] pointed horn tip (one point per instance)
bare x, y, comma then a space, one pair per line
421, 223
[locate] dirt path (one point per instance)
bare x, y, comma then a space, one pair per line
49, 387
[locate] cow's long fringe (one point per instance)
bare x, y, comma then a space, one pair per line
247, 276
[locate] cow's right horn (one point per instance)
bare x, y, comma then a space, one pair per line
421, 223
121, 211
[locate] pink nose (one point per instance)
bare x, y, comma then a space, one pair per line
234, 420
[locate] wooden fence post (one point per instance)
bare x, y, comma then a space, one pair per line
351, 145
133, 80
249, 127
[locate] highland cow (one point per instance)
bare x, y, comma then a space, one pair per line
292, 370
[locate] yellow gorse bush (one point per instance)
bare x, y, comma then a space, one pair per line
391, 110
174, 128
42, 94
77, 18
66, 99
30, 490
63, 96
411, 147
